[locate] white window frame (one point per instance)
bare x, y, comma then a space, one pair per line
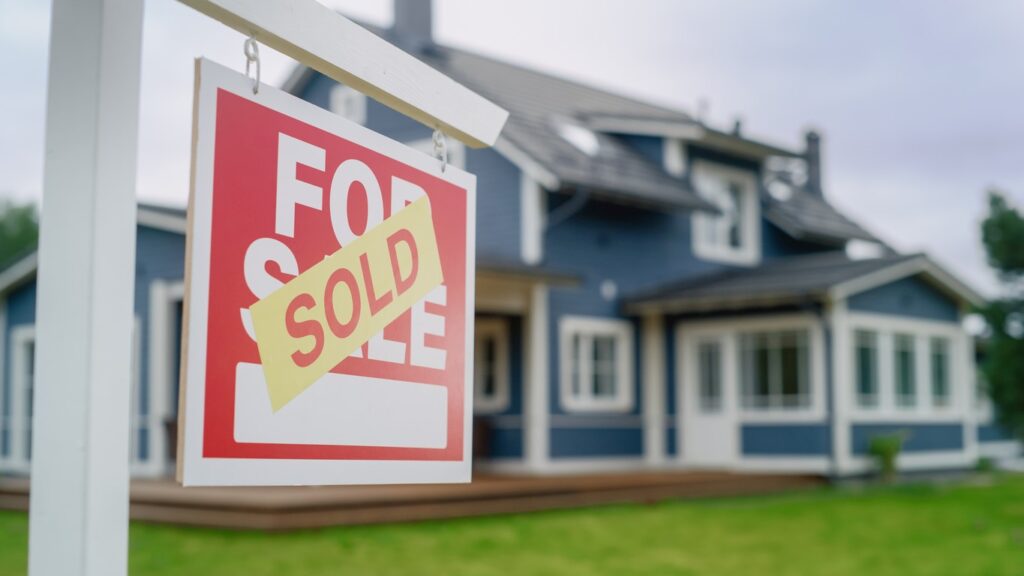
456, 150
776, 392
589, 327
924, 409
707, 177
348, 103
17, 459
496, 329
689, 334
855, 364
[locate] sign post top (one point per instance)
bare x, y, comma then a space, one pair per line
341, 49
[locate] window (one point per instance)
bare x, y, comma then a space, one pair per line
16, 429
733, 234
905, 377
866, 364
597, 364
491, 366
709, 357
348, 103
940, 371
775, 370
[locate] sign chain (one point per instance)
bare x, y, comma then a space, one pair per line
252, 55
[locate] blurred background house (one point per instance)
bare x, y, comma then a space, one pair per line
652, 293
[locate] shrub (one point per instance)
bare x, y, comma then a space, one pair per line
885, 448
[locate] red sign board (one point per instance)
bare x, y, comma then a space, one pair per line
329, 299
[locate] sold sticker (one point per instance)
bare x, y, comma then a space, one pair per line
320, 317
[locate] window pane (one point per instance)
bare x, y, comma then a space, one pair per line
867, 368
790, 369
604, 385
488, 386
940, 371
732, 216
906, 390
576, 365
710, 363
775, 369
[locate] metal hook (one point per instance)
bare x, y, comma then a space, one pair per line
252, 54
441, 148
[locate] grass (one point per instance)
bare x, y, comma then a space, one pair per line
907, 530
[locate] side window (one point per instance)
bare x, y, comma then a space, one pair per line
596, 357
866, 367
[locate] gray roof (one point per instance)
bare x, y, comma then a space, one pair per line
789, 280
806, 215
537, 102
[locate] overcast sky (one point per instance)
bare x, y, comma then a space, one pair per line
919, 102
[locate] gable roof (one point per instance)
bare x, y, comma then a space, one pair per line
795, 280
537, 102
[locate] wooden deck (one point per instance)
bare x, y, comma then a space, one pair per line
292, 508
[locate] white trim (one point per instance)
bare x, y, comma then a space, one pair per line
654, 378
587, 327
536, 389
749, 253
496, 328
838, 319
1003, 449
163, 295
785, 464
673, 157
532, 212
162, 221
350, 54
19, 271
137, 467
918, 265
527, 164
682, 129
914, 461
18, 460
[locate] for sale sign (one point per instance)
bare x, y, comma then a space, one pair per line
329, 299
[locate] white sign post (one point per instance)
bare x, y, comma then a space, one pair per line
79, 501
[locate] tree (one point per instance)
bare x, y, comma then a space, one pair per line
19, 229
1003, 235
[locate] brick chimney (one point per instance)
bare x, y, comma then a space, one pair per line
812, 154
413, 24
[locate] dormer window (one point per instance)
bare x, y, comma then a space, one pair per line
583, 139
733, 235
348, 103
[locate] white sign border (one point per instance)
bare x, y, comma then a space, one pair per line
193, 468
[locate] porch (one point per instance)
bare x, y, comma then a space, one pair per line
295, 508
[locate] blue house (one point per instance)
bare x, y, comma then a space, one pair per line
652, 293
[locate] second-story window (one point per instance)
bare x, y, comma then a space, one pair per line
731, 235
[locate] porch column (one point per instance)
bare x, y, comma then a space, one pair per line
839, 346
653, 373
536, 433
78, 522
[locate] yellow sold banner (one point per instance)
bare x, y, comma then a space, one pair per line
319, 318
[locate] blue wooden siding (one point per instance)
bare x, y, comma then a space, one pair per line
993, 433
911, 297
813, 439
598, 441
947, 436
159, 255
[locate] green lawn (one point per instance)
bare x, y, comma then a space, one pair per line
960, 530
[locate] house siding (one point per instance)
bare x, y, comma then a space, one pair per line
937, 437
993, 433
908, 297
21, 311
786, 439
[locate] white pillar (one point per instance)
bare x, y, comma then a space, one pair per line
79, 501
842, 386
536, 430
653, 371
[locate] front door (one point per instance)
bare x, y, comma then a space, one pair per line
708, 402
